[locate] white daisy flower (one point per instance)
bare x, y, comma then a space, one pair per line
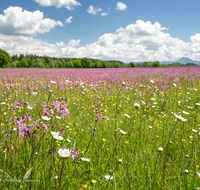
122, 132
56, 135
85, 159
174, 84
180, 118
194, 130
160, 149
109, 177
46, 118
34, 93
186, 113
136, 105
186, 171
64, 152
127, 115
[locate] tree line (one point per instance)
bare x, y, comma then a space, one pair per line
35, 61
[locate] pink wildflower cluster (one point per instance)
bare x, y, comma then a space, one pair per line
59, 106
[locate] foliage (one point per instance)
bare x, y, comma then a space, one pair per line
77, 63
132, 64
104, 64
33, 61
23, 63
4, 58
86, 63
156, 64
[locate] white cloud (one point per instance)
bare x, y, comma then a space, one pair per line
73, 42
60, 44
141, 41
121, 6
15, 21
93, 10
104, 14
69, 4
69, 20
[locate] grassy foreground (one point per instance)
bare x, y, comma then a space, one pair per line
100, 129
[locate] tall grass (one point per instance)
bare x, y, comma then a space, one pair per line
127, 129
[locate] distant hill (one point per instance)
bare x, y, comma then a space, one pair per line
183, 60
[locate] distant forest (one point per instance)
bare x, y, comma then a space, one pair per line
35, 61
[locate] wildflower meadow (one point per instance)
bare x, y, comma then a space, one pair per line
126, 128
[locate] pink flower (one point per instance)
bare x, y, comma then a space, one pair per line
74, 153
44, 126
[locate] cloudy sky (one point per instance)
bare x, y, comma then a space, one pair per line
127, 30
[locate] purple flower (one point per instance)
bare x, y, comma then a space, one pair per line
62, 130
51, 152
44, 126
74, 153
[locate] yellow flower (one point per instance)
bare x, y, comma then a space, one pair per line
183, 140
94, 181
197, 166
126, 142
191, 137
104, 140
85, 186
82, 152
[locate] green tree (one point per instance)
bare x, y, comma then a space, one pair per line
23, 63
21, 56
104, 64
4, 58
156, 64
15, 58
132, 64
116, 65
77, 63
14, 64
86, 63
98, 64
60, 64
30, 63
52, 64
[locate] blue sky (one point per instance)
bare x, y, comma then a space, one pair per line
127, 30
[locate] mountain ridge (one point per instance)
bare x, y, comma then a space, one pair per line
182, 60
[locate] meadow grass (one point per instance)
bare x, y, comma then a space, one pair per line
123, 128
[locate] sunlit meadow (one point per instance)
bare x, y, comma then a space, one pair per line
131, 128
